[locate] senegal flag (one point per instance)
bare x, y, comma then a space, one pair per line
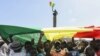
63, 32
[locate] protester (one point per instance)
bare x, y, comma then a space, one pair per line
40, 51
33, 43
47, 47
58, 50
82, 46
90, 51
70, 46
16, 49
97, 47
73, 52
30, 51
51, 48
3, 48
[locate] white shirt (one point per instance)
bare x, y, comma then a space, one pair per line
3, 50
22, 53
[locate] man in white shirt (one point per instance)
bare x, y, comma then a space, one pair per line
3, 48
16, 49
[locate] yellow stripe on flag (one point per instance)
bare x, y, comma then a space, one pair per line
57, 33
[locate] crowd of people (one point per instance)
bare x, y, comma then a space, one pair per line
54, 48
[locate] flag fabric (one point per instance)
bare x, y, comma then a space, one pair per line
62, 32
52, 4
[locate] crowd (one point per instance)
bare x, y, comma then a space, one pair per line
54, 48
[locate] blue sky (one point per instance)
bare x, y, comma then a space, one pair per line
37, 13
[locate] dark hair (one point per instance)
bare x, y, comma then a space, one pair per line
28, 45
97, 45
19, 50
57, 46
70, 46
64, 44
33, 51
1, 43
89, 51
16, 46
48, 41
92, 44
